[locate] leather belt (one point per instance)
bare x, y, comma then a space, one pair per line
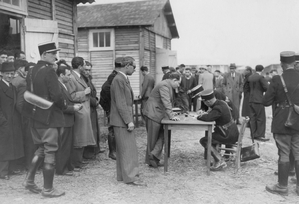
226, 126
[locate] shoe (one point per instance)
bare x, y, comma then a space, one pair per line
16, 172
76, 169
291, 173
112, 155
152, 161
262, 139
52, 193
137, 183
6, 177
68, 173
277, 189
32, 187
297, 190
84, 162
160, 164
293, 181
219, 166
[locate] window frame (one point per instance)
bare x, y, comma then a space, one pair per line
22, 9
112, 39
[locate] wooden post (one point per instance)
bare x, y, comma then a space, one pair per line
53, 7
75, 27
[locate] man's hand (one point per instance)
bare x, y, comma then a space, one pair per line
87, 90
131, 126
189, 91
78, 107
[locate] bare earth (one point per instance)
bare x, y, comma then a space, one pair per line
186, 181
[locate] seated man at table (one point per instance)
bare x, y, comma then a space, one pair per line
225, 131
157, 107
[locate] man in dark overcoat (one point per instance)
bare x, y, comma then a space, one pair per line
11, 140
65, 141
258, 85
121, 118
287, 139
45, 84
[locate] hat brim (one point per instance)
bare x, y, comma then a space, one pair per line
53, 50
198, 94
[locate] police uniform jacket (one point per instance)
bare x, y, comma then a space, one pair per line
46, 85
275, 95
220, 113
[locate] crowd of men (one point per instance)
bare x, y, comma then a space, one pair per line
48, 114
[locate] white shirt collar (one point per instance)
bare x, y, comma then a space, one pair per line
63, 85
78, 74
123, 74
5, 82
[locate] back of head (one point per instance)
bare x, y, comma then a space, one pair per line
20, 63
77, 61
123, 61
143, 68
174, 75
259, 68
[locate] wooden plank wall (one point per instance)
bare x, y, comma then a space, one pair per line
40, 9
150, 47
82, 43
102, 66
66, 36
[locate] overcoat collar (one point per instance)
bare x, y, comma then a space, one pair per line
79, 80
7, 90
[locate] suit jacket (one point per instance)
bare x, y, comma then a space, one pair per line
258, 85
69, 112
147, 86
46, 85
122, 99
275, 95
11, 140
206, 80
159, 103
83, 134
232, 87
188, 84
19, 82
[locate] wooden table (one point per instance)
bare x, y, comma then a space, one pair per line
186, 123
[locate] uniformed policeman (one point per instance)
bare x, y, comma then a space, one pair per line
225, 131
287, 139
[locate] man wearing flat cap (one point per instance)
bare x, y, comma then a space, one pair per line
166, 72
225, 131
232, 84
43, 81
11, 140
286, 138
258, 85
121, 118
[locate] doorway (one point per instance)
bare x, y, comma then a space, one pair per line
10, 34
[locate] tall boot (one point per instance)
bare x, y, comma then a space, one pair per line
283, 173
292, 165
297, 176
111, 144
48, 174
29, 180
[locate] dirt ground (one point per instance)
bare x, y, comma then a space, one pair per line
186, 181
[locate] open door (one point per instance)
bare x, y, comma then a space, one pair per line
164, 58
38, 31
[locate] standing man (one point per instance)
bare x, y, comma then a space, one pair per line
147, 85
121, 118
187, 83
258, 85
206, 79
11, 140
218, 81
159, 105
44, 81
90, 152
80, 93
3, 56
232, 86
287, 139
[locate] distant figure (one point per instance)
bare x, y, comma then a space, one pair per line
258, 86
246, 90
206, 79
218, 81
187, 83
20, 55
268, 77
233, 86
147, 85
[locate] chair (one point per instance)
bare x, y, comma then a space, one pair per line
235, 151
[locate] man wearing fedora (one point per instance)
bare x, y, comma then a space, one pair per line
43, 82
232, 84
11, 140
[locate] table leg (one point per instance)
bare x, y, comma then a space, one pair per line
169, 141
209, 148
166, 148
136, 114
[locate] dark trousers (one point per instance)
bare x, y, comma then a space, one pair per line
155, 139
257, 120
4, 165
29, 146
63, 155
77, 157
287, 144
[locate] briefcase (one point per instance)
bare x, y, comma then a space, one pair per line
251, 152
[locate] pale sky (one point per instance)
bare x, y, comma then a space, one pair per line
245, 32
